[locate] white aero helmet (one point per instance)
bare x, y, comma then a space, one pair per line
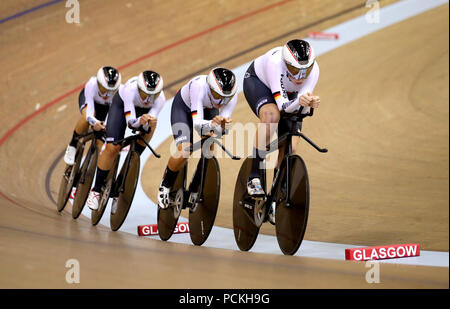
150, 82
109, 78
299, 54
222, 81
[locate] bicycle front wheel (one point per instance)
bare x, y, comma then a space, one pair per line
69, 180
84, 184
96, 215
125, 198
291, 218
201, 221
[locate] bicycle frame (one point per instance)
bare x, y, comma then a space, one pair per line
93, 136
204, 144
130, 140
287, 137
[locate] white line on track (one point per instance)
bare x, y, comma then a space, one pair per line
144, 210
61, 108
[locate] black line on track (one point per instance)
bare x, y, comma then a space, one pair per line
242, 259
48, 177
246, 51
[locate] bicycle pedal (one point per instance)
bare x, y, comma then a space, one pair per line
114, 206
271, 214
193, 202
192, 207
259, 212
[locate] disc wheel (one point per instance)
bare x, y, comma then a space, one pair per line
69, 179
244, 227
291, 220
87, 173
201, 221
125, 198
96, 215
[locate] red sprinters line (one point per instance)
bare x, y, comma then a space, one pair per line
29, 117
158, 51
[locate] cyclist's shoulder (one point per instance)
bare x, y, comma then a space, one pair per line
161, 98
198, 85
199, 80
131, 82
271, 60
92, 82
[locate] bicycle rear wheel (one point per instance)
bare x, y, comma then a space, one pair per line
87, 173
201, 221
125, 198
244, 227
69, 179
291, 220
168, 218
96, 215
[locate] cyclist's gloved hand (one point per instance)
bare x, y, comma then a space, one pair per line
99, 126
221, 125
305, 99
145, 128
146, 122
315, 102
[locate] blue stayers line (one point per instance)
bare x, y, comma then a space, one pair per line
4, 20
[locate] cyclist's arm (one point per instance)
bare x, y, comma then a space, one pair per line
89, 93
309, 85
228, 109
275, 80
159, 104
197, 92
290, 106
130, 111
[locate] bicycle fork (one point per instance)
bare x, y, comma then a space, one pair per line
120, 186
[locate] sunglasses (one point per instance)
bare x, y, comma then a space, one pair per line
220, 101
302, 73
148, 98
104, 92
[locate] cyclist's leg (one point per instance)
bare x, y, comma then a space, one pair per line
181, 121
262, 103
81, 127
115, 130
269, 116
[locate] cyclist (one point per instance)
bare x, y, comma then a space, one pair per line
94, 102
205, 104
281, 80
136, 105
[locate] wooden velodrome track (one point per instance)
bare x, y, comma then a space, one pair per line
384, 117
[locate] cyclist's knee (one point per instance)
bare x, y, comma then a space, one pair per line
82, 126
184, 150
269, 114
111, 150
